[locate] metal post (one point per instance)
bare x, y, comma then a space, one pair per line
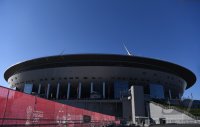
48, 88
91, 87
39, 88
104, 95
79, 90
68, 90
58, 90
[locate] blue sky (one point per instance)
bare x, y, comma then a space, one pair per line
167, 30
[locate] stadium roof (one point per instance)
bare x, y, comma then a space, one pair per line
101, 60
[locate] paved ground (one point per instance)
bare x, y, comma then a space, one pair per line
177, 125
170, 125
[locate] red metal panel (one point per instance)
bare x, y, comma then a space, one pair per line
3, 100
71, 113
33, 110
78, 114
20, 106
60, 113
45, 109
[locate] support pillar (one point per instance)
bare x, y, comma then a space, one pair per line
79, 90
48, 88
58, 90
104, 93
179, 95
39, 88
91, 87
68, 90
133, 104
170, 96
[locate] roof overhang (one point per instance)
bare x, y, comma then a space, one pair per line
101, 60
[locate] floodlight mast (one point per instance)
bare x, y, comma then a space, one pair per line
128, 53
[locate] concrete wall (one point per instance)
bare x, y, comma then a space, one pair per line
171, 115
126, 108
139, 101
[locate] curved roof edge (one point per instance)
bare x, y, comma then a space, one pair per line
103, 60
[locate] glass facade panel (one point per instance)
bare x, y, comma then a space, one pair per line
156, 91
120, 87
28, 88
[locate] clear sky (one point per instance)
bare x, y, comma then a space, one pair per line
167, 30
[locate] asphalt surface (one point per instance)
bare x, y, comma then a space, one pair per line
169, 125
177, 125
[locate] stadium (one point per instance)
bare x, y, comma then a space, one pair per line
102, 82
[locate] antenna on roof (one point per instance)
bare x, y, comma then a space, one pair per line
61, 53
128, 53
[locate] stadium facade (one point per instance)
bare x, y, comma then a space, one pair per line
101, 82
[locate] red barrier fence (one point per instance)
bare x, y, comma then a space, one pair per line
18, 108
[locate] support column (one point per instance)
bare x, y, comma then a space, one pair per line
68, 90
39, 88
179, 95
48, 88
79, 90
133, 104
104, 93
58, 90
91, 87
170, 96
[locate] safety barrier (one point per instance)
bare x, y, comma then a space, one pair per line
18, 109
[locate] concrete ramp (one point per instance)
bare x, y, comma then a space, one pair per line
160, 113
